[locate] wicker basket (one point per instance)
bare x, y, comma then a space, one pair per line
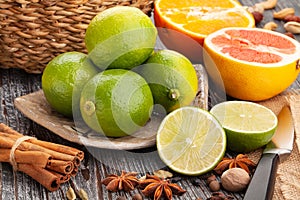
32, 32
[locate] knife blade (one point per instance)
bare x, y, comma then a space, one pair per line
279, 148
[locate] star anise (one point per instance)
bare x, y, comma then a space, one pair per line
158, 188
126, 181
241, 161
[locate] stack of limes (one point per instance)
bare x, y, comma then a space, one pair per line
112, 97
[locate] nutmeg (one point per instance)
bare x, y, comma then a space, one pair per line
235, 179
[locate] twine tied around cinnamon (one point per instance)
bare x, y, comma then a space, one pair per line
12, 159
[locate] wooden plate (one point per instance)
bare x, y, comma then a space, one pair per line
35, 107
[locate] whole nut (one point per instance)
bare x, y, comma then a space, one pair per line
291, 18
270, 26
235, 179
258, 17
269, 4
292, 27
291, 35
256, 8
283, 13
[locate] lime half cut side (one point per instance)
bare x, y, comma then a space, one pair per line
248, 125
191, 141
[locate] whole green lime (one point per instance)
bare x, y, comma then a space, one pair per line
172, 79
116, 102
63, 79
120, 37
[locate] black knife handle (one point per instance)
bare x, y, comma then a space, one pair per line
261, 186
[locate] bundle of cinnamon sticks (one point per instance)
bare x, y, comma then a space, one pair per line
48, 163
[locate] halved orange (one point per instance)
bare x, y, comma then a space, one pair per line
254, 64
196, 19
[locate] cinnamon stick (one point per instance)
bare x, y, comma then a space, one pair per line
6, 129
56, 147
37, 158
75, 170
62, 177
7, 141
41, 175
48, 163
60, 148
60, 166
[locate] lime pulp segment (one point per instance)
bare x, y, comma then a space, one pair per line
248, 125
245, 117
191, 141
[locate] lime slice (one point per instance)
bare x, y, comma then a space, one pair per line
248, 125
191, 141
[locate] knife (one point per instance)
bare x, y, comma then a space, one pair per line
279, 148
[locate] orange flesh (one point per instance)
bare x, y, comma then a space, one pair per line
246, 46
166, 4
262, 38
251, 55
202, 17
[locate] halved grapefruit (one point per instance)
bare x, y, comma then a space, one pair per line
182, 23
254, 64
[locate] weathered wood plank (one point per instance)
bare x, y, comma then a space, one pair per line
98, 162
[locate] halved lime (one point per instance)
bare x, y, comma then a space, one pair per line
248, 125
191, 141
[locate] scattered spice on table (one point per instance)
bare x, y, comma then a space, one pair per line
127, 181
220, 196
156, 188
213, 183
241, 161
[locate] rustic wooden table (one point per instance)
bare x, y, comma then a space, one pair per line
98, 162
